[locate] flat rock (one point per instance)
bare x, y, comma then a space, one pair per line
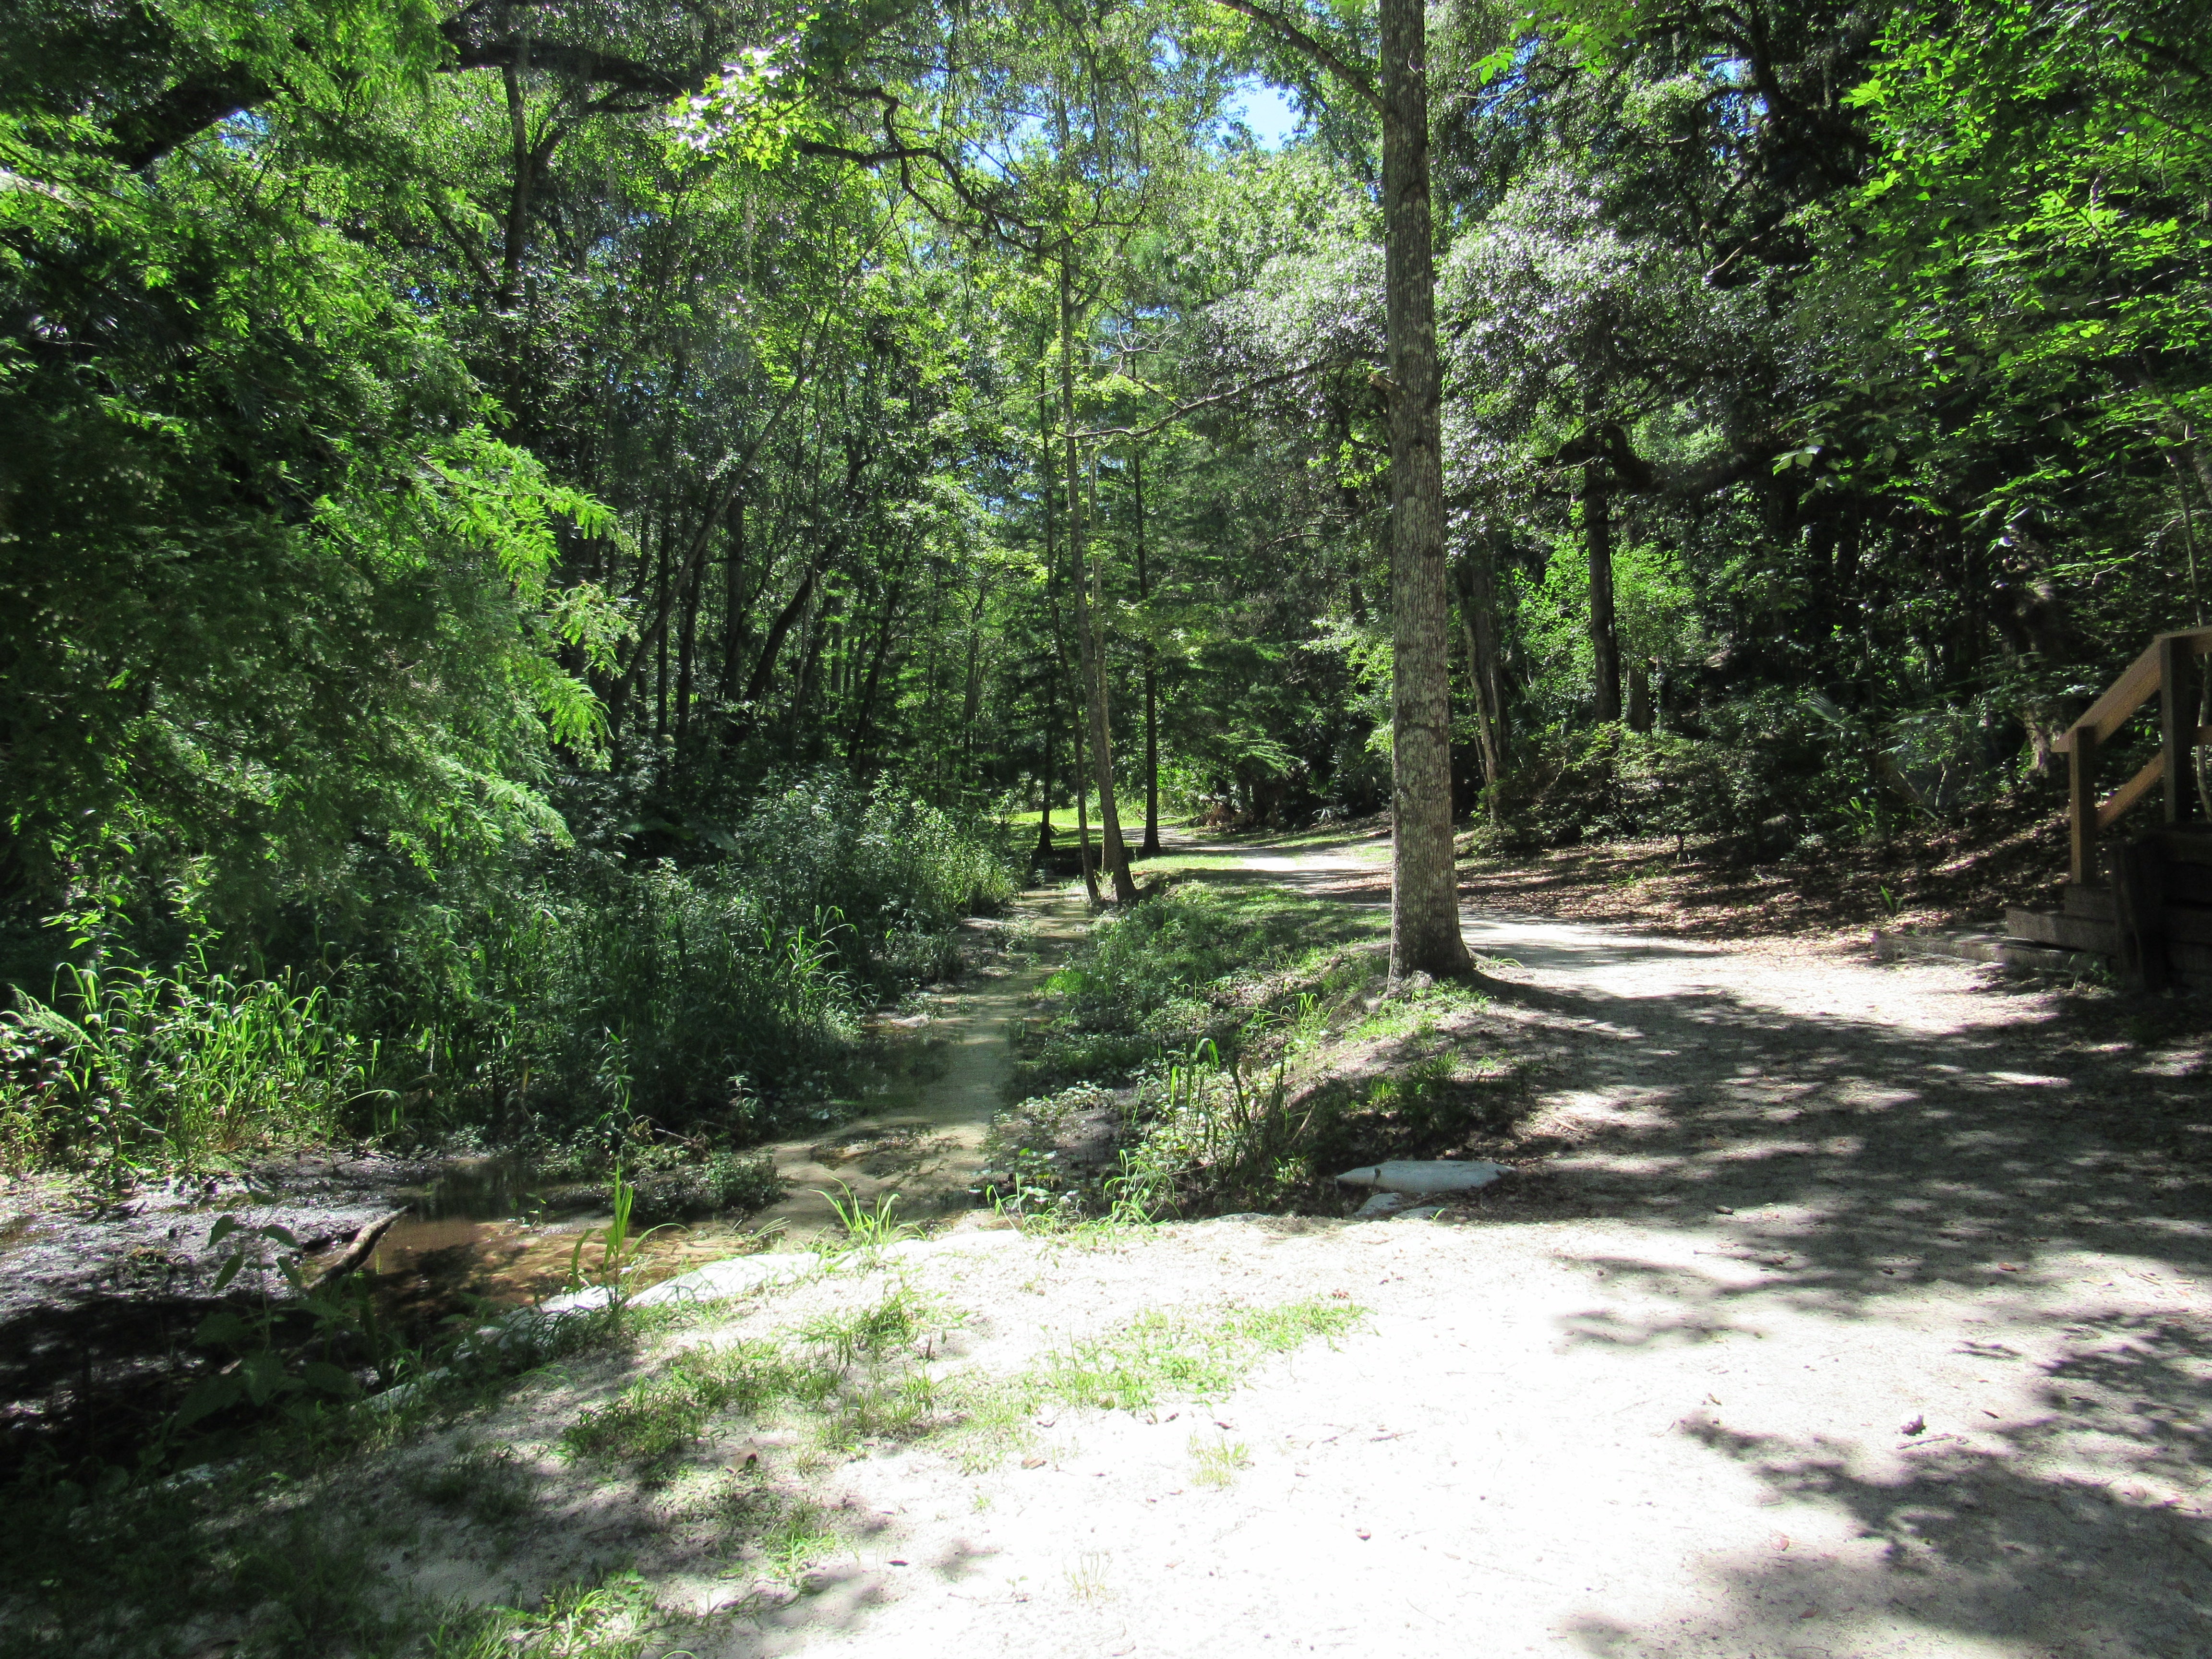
1381, 1204
1425, 1179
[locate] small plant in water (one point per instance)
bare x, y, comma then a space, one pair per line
867, 1230
620, 1251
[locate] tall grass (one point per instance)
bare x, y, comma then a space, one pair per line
654, 992
586, 990
123, 1062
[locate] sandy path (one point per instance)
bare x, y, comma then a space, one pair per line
1805, 1201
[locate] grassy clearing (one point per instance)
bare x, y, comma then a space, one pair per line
1192, 963
315, 1537
1161, 1356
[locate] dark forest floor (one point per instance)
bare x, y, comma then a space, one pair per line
1932, 877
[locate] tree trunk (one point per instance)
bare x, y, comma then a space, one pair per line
663, 597
1605, 635
1639, 698
1056, 662
764, 667
1094, 673
694, 581
733, 604
1478, 620
1425, 924
855, 750
1152, 843
1044, 791
1083, 818
518, 201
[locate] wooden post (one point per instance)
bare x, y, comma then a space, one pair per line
2082, 801
2138, 908
2176, 724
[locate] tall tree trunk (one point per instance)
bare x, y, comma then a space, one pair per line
1082, 817
662, 598
971, 700
1604, 632
518, 201
1094, 672
1044, 788
853, 749
764, 668
1052, 606
1425, 921
687, 642
1478, 620
1152, 844
733, 603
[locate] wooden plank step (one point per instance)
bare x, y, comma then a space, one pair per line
2093, 902
2187, 884
1895, 947
2186, 924
2062, 932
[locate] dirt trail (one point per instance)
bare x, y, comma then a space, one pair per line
1867, 1314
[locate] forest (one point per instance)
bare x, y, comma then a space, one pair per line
555, 555
548, 547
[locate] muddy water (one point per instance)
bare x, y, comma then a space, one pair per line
948, 1068
98, 1303
493, 1230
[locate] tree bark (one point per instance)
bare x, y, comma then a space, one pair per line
733, 603
663, 597
1094, 675
1044, 791
855, 751
1478, 617
1604, 630
1425, 921
1083, 818
1152, 843
518, 201
1639, 698
687, 644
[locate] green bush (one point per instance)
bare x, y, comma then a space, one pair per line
583, 989
896, 873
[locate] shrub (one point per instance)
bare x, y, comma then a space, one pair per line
579, 989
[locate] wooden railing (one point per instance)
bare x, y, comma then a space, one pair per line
2162, 671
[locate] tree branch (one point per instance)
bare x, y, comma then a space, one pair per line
1192, 407
1292, 35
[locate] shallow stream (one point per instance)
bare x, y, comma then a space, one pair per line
98, 1302
495, 1230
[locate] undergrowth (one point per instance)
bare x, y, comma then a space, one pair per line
1226, 1014
565, 990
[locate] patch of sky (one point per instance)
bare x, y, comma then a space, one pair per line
1266, 110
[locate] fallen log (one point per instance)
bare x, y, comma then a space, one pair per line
365, 1241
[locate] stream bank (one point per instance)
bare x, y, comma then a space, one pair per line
99, 1300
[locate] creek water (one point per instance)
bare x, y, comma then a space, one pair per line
495, 1230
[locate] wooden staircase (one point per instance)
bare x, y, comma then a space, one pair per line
2143, 902
2091, 922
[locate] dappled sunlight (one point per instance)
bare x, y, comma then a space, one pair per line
2079, 1528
